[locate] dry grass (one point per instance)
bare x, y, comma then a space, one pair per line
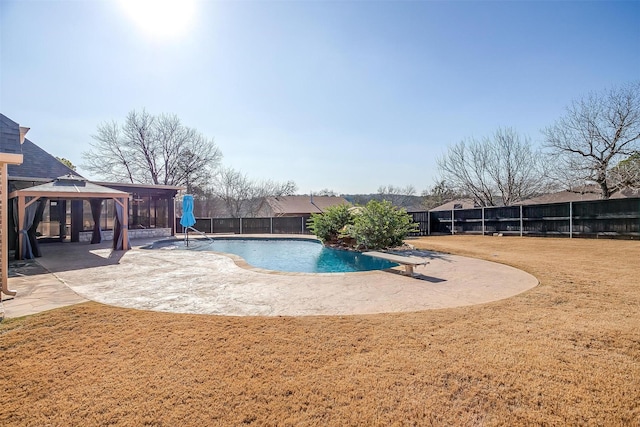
565, 353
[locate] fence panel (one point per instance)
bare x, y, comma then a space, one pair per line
502, 213
422, 219
468, 221
226, 225
546, 227
275, 225
606, 218
256, 225
441, 222
600, 209
202, 224
548, 211
290, 225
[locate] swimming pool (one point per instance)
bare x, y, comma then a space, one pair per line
290, 255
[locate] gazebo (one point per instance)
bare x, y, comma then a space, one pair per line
31, 202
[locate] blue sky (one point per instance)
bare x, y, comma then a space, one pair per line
345, 95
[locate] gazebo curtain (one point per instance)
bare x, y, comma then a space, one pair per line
29, 216
117, 229
33, 217
96, 211
33, 240
15, 224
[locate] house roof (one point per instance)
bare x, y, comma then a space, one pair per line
586, 193
36, 163
9, 136
456, 204
288, 205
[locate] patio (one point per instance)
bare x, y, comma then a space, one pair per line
210, 283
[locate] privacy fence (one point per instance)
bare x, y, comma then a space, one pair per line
272, 225
619, 218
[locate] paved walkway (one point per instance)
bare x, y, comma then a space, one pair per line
37, 290
209, 283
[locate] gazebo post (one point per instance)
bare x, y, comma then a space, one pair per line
4, 233
125, 223
21, 212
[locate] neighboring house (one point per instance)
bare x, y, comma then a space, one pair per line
404, 201
267, 207
455, 205
586, 193
300, 205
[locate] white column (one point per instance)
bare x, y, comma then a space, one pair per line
571, 220
520, 220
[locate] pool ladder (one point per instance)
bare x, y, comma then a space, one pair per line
186, 235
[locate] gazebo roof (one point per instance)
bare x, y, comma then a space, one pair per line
70, 187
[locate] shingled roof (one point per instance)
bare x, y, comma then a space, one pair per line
586, 193
456, 204
9, 136
303, 205
37, 163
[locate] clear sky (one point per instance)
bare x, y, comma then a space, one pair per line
345, 95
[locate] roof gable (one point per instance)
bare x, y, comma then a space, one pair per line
38, 163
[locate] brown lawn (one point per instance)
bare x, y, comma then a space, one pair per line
564, 353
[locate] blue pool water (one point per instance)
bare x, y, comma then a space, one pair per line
302, 256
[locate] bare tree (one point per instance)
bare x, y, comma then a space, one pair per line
627, 172
439, 194
325, 192
596, 134
499, 170
152, 150
244, 197
398, 196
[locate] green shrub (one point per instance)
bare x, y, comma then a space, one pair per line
329, 225
381, 225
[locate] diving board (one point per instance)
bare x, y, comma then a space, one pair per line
408, 261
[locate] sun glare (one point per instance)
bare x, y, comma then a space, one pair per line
161, 18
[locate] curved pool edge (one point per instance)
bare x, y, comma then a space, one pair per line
243, 263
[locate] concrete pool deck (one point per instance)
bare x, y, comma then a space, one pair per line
210, 283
